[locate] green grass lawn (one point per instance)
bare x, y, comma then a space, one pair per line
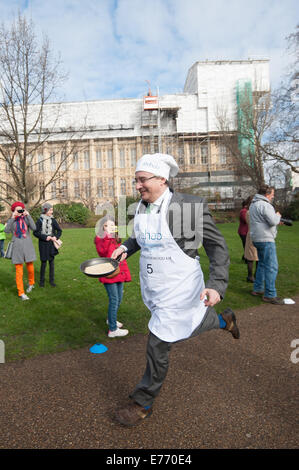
73, 314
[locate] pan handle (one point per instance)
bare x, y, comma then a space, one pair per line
118, 258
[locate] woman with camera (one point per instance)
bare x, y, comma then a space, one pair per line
23, 251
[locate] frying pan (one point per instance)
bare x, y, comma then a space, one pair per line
93, 261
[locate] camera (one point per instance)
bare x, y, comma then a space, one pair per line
286, 221
20, 211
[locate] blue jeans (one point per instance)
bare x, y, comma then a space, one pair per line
115, 294
267, 269
2, 248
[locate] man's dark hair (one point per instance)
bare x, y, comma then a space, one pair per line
265, 189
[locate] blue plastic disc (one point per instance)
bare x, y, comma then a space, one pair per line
98, 348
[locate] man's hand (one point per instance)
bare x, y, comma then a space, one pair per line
118, 252
213, 297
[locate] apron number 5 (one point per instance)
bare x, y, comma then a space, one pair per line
149, 269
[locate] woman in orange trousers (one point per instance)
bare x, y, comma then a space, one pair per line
23, 251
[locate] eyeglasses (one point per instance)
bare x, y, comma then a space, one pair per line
142, 179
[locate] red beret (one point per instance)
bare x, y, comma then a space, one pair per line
16, 204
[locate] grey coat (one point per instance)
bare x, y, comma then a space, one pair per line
192, 225
23, 250
263, 220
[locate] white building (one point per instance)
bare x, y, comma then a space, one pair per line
110, 136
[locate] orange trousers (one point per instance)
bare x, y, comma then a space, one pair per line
19, 276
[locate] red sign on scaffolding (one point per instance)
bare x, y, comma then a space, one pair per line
150, 102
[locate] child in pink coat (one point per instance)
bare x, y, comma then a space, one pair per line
106, 242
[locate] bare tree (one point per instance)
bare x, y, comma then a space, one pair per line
243, 135
29, 79
282, 142
266, 126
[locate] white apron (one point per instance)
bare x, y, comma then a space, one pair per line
171, 282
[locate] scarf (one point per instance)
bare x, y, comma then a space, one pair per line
46, 225
21, 227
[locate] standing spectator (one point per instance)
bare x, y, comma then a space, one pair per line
243, 227
47, 231
2, 238
23, 251
106, 242
250, 251
263, 231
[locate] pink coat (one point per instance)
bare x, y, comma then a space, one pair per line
105, 247
243, 227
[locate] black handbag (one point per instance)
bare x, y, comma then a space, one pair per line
8, 252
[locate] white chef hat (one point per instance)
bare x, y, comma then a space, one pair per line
159, 164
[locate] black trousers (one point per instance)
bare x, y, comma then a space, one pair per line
157, 355
43, 271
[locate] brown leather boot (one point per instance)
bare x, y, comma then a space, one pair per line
231, 322
132, 415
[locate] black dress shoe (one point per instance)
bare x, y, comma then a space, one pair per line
53, 284
231, 322
273, 300
41, 284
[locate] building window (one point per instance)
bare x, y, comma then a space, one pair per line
8, 192
110, 158
40, 159
181, 155
63, 158
76, 161
77, 189
222, 154
122, 161
63, 189
53, 190
99, 158
86, 160
145, 146
100, 188
133, 157
123, 186
192, 152
87, 188
42, 189
111, 187
52, 162
204, 154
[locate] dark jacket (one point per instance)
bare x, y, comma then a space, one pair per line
192, 226
47, 249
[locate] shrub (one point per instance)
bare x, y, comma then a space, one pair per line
35, 213
60, 212
92, 221
77, 213
71, 213
292, 211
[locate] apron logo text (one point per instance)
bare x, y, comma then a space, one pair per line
150, 235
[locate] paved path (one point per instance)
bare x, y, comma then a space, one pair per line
219, 392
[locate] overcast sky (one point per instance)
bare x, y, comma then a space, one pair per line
111, 47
